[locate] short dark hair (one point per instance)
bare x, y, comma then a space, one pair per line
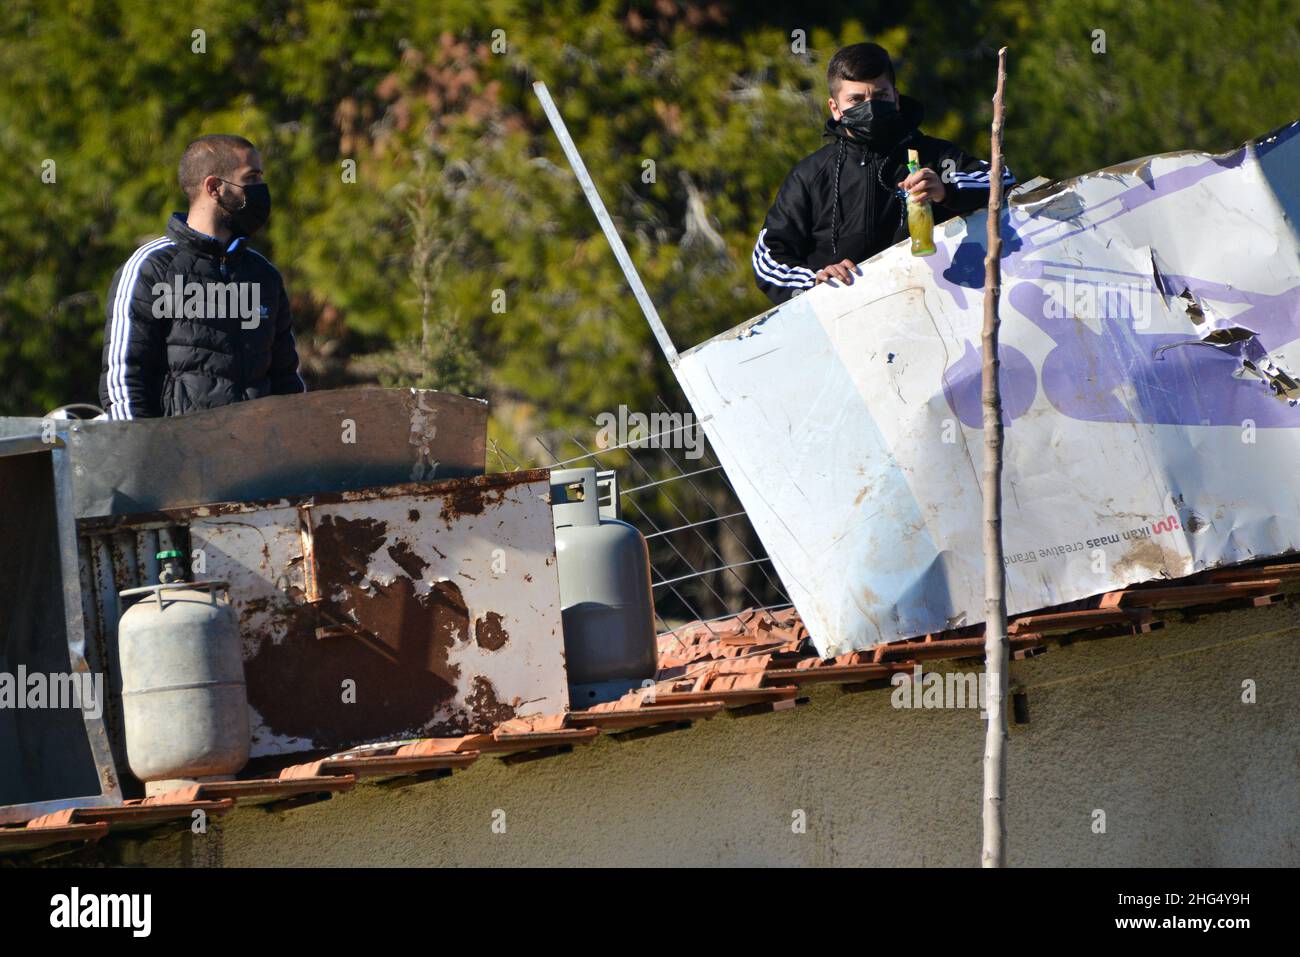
858, 63
218, 154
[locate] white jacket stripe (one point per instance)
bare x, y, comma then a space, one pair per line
120, 329
779, 274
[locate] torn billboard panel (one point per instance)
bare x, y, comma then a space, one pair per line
1150, 318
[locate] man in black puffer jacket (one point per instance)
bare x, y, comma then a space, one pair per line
847, 202
197, 318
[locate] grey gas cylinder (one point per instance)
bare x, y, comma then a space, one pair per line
605, 596
184, 700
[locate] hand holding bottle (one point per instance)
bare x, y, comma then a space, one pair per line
920, 217
924, 185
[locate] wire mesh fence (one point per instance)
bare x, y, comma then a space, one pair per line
706, 561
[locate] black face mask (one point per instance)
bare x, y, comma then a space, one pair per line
252, 215
872, 120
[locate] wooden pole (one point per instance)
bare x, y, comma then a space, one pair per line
996, 657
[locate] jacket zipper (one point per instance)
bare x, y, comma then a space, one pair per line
240, 352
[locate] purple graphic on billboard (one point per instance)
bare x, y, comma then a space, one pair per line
1111, 370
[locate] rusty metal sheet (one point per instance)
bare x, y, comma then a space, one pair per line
427, 611
280, 445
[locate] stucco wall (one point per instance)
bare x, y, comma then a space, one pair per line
1150, 729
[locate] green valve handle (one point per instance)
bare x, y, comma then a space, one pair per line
173, 567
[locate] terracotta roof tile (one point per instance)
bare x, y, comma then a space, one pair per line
14, 840
757, 659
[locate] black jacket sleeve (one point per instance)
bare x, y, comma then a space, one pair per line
966, 181
285, 378
780, 257
135, 347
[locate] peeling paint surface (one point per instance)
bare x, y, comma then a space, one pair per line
437, 613
424, 429
1149, 347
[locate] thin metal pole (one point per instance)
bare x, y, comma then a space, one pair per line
606, 224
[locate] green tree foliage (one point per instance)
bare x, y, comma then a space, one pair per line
1195, 75
462, 253
428, 226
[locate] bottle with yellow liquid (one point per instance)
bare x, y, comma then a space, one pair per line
920, 217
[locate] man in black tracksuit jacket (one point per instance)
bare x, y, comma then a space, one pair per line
197, 318
847, 202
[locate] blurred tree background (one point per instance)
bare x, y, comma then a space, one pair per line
427, 224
